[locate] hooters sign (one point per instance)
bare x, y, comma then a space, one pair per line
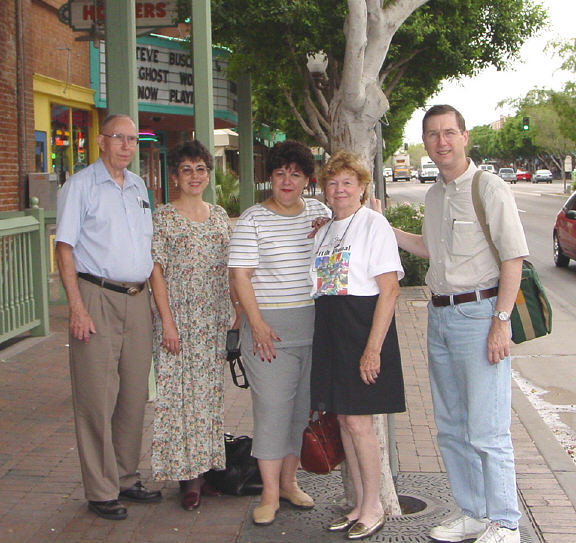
83, 14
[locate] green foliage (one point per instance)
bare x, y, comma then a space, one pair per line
409, 217
552, 133
564, 102
482, 144
442, 39
512, 141
228, 192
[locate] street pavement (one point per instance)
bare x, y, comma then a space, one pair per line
41, 495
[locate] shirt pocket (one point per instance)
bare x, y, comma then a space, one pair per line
464, 234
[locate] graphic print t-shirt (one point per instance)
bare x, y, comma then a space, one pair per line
350, 253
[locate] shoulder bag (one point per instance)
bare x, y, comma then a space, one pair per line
532, 314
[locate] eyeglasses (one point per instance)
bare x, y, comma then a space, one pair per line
448, 135
189, 170
119, 139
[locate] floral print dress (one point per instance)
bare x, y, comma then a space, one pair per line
188, 435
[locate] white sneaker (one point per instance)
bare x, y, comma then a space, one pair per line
498, 534
459, 528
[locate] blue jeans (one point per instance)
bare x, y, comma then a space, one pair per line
472, 409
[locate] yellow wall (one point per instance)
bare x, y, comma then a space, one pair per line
49, 91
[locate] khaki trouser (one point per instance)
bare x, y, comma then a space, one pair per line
109, 389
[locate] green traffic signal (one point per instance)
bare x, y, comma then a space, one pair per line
526, 123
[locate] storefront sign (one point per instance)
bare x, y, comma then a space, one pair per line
165, 76
82, 14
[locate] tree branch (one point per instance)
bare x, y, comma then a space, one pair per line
395, 80
309, 103
400, 63
297, 114
352, 87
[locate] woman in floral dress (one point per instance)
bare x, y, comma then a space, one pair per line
190, 287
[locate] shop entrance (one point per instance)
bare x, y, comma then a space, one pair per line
153, 167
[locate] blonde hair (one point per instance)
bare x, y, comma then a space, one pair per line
346, 161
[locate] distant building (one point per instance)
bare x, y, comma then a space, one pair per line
497, 125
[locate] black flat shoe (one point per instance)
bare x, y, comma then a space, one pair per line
139, 493
110, 510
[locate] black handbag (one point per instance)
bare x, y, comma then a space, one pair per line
241, 476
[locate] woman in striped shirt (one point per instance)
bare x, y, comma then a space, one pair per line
269, 259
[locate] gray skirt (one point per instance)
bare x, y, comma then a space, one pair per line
281, 388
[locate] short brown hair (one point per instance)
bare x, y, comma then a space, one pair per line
442, 109
191, 150
346, 161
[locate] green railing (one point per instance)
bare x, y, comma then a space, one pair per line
23, 274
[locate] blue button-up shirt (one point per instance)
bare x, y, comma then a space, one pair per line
108, 226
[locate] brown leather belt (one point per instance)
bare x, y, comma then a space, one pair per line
441, 300
131, 290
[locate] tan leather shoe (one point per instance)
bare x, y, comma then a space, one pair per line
360, 530
298, 498
264, 515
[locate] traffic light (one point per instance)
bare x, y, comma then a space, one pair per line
526, 123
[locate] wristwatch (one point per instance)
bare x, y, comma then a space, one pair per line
502, 315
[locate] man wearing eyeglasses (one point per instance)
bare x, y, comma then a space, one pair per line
469, 332
103, 250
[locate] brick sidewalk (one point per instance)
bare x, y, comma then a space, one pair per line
40, 487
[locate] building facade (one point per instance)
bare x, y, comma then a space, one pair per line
53, 98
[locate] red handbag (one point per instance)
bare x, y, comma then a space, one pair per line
322, 448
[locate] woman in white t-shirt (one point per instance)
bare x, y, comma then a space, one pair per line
270, 252
356, 367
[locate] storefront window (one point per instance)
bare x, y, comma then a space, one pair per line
69, 140
80, 138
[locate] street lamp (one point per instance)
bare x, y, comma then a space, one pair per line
317, 65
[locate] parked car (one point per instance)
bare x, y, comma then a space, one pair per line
387, 172
488, 167
523, 176
564, 235
507, 174
542, 176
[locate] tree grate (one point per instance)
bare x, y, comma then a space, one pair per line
308, 526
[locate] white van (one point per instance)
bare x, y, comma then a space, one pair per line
488, 167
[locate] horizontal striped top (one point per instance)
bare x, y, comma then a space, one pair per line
279, 251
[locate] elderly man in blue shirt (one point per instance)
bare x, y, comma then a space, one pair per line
103, 250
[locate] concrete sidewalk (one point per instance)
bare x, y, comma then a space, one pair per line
42, 500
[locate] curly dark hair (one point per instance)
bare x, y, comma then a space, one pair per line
192, 150
290, 152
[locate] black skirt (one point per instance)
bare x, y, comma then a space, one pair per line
341, 330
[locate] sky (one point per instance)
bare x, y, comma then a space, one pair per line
477, 98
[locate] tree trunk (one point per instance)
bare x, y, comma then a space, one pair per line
388, 495
350, 129
356, 106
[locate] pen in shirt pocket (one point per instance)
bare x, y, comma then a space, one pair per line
456, 221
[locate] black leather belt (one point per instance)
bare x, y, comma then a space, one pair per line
132, 290
441, 300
